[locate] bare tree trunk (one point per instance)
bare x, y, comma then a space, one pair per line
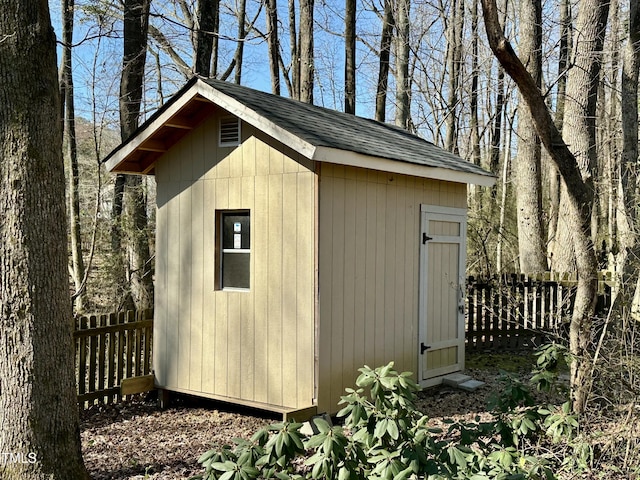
274, 45
506, 166
496, 132
208, 13
295, 54
242, 33
610, 141
136, 21
403, 82
69, 127
629, 244
38, 409
383, 70
307, 69
531, 245
473, 122
454, 61
579, 129
554, 175
580, 195
350, 57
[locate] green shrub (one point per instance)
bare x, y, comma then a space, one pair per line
383, 437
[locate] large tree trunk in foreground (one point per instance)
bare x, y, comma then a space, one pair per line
580, 198
40, 435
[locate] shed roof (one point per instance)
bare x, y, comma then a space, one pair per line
317, 133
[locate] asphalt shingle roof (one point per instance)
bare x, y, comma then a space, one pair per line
323, 127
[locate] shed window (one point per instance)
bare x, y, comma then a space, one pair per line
234, 247
229, 132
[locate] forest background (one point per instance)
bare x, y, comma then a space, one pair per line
445, 70
425, 65
571, 206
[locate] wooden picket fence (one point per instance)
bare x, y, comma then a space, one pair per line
517, 311
111, 350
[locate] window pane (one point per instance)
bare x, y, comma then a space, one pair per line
235, 270
235, 230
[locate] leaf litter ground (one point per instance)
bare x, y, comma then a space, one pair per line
136, 440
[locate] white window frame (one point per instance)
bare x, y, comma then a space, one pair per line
220, 214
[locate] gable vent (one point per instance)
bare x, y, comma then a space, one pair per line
229, 131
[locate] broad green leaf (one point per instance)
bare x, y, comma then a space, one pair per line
315, 441
381, 428
206, 456
228, 475
224, 466
321, 424
392, 429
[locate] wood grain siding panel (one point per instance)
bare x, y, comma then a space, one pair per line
184, 280
196, 289
411, 272
338, 319
199, 159
288, 292
257, 345
325, 259
370, 273
369, 225
247, 302
360, 300
210, 147
274, 292
350, 242
160, 314
380, 280
173, 289
305, 287
222, 330
209, 299
391, 311
260, 253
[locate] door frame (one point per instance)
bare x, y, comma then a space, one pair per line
427, 213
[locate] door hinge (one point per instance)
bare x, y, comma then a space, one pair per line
424, 348
426, 238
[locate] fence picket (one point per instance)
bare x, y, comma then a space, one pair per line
110, 348
518, 311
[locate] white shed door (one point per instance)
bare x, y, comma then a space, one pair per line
442, 277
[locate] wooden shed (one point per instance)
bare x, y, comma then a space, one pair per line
296, 244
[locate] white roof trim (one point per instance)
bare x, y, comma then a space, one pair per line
240, 110
344, 157
308, 150
148, 130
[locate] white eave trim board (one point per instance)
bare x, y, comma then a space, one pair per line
135, 142
245, 114
345, 157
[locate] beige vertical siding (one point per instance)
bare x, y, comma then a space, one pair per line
255, 346
369, 224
